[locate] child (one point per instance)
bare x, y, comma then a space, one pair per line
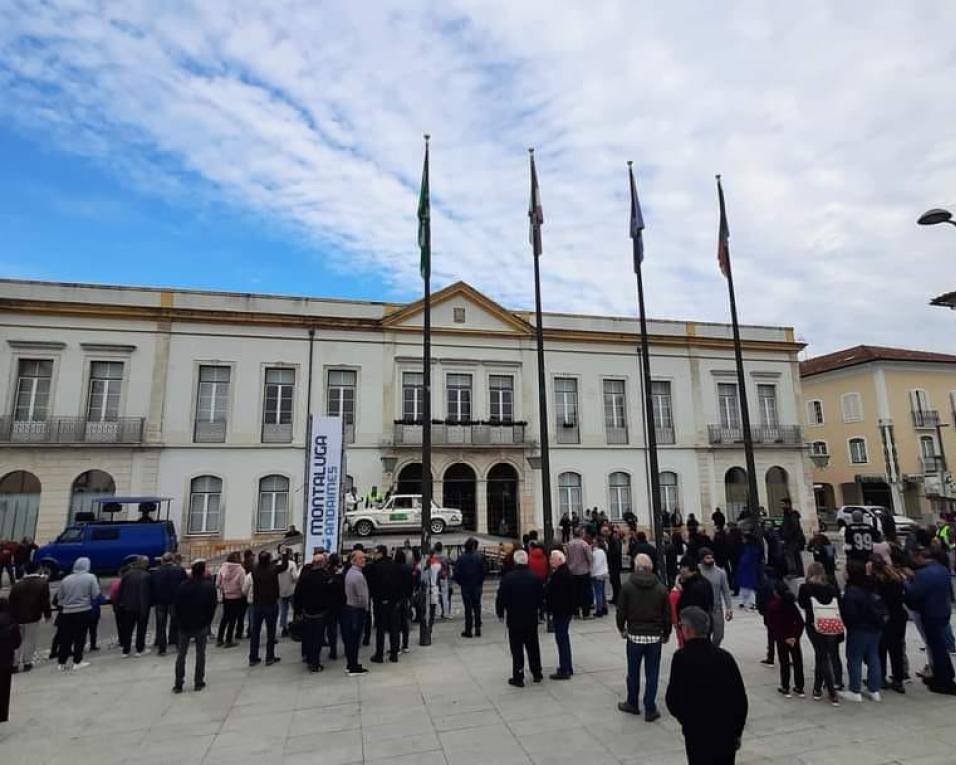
765, 589
785, 624
674, 596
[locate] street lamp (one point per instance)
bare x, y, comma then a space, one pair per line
934, 216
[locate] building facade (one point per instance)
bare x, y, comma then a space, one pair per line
203, 397
884, 418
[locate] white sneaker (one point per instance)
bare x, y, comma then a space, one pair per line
875, 695
125, 655
81, 665
851, 696
61, 667
141, 654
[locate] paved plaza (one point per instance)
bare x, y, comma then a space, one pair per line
448, 703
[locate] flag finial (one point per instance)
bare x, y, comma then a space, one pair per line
717, 176
629, 163
531, 150
427, 137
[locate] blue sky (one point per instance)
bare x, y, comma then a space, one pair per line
276, 147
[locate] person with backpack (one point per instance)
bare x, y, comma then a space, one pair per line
864, 616
785, 626
820, 600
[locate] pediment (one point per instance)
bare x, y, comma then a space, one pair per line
452, 304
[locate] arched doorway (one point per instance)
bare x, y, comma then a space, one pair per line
777, 490
459, 491
87, 487
503, 500
409, 479
19, 505
735, 491
825, 496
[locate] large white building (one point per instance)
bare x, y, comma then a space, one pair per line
203, 397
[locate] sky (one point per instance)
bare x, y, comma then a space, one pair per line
277, 147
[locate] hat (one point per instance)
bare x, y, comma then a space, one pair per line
704, 552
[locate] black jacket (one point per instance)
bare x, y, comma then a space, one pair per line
469, 571
706, 694
265, 582
824, 593
519, 596
164, 581
195, 604
404, 581
696, 591
614, 555
636, 548
134, 591
30, 599
560, 594
318, 590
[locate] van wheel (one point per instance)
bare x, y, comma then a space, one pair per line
437, 526
364, 528
50, 570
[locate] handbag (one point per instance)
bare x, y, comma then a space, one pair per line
826, 617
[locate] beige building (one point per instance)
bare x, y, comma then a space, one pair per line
882, 419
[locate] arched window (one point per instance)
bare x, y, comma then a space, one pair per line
205, 504
86, 488
569, 493
273, 503
619, 488
670, 496
19, 505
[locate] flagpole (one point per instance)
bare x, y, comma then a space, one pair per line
752, 496
534, 214
657, 526
425, 237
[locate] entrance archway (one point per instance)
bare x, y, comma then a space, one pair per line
87, 487
19, 505
777, 490
824, 496
503, 500
458, 490
410, 479
735, 491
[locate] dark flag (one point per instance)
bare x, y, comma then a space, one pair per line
535, 213
723, 237
637, 222
424, 221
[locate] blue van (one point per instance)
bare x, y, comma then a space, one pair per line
109, 544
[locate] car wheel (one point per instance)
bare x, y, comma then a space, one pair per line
438, 526
50, 570
364, 528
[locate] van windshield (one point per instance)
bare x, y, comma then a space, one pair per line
71, 535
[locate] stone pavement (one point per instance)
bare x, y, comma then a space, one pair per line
448, 704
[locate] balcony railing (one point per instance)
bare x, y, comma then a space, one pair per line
464, 434
926, 418
72, 430
931, 465
782, 435
616, 435
210, 432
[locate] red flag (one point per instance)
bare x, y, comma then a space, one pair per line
723, 237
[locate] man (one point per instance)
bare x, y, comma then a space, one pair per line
287, 579
263, 583
29, 602
132, 607
387, 596
317, 598
717, 578
928, 593
561, 600
76, 596
640, 546
518, 597
615, 560
696, 539
470, 576
644, 620
164, 583
858, 538
565, 524
354, 613
195, 606
23, 555
6, 561
695, 590
630, 519
718, 518
579, 563
706, 694
793, 538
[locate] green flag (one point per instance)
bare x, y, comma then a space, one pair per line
424, 221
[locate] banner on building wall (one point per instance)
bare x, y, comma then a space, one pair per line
325, 476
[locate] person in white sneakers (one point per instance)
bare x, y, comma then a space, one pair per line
76, 596
864, 615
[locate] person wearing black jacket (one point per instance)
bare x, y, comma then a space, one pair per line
695, 590
639, 545
615, 561
195, 604
560, 601
827, 667
9, 642
706, 694
164, 581
519, 595
265, 606
405, 587
318, 595
132, 606
864, 614
386, 595
470, 576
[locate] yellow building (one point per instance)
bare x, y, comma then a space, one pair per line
884, 422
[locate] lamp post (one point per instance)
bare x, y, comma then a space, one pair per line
934, 216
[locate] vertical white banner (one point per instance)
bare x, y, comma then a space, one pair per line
323, 511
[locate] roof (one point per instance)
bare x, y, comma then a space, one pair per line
864, 354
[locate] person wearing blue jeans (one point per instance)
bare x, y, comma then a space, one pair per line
864, 614
263, 585
354, 613
561, 600
268, 615
644, 620
863, 645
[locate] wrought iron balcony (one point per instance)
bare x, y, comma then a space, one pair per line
463, 434
782, 435
72, 430
926, 418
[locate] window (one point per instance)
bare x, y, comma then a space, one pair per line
106, 379
663, 406
33, 390
273, 504
728, 405
619, 487
851, 405
458, 315
815, 412
919, 400
104, 533
280, 388
669, 497
205, 504
213, 394
341, 396
459, 397
566, 401
819, 449
413, 396
767, 401
858, 451
569, 493
502, 398
614, 404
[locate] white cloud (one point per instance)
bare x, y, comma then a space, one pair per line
831, 124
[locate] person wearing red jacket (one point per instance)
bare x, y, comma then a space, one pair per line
785, 625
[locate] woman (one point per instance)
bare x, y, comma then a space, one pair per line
229, 583
673, 552
748, 571
786, 627
9, 643
889, 584
599, 577
819, 597
824, 553
864, 615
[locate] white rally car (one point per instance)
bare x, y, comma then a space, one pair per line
401, 512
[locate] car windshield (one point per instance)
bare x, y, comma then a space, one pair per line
71, 535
